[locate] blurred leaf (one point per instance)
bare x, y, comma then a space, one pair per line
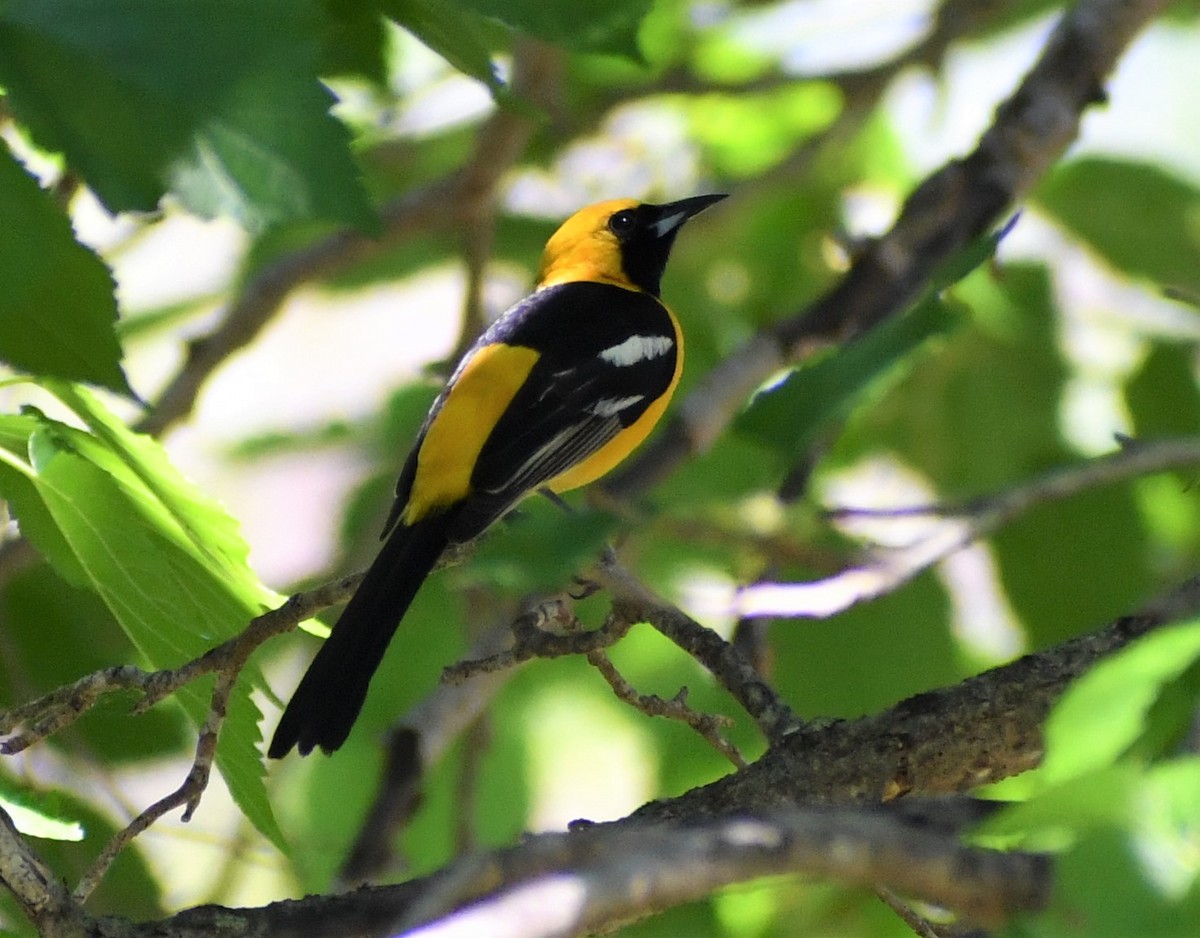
37, 814
746, 134
983, 412
215, 99
541, 546
353, 41
1055, 817
1163, 396
860, 661
451, 31
1101, 563
789, 415
1104, 888
1096, 198
166, 319
57, 309
1103, 713
42, 615
970, 258
585, 26
128, 889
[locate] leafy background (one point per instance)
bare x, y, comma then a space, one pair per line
192, 146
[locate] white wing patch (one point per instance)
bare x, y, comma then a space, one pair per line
637, 348
611, 406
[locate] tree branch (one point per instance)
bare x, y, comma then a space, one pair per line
885, 568
949, 211
41, 894
983, 730
60, 708
602, 876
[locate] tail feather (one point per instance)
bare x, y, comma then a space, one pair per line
331, 693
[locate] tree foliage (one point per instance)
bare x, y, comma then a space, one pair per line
940, 409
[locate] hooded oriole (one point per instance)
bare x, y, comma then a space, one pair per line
560, 389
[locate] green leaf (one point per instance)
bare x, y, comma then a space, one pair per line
454, 34
1104, 712
1054, 818
789, 415
38, 815
1107, 888
1162, 397
585, 26
217, 97
209, 530
745, 134
57, 309
18, 488
541, 547
173, 599
353, 40
1096, 198
43, 615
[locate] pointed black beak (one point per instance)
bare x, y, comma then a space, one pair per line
673, 214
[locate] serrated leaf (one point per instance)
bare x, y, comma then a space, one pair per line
208, 527
171, 599
218, 97
1097, 198
57, 310
1104, 712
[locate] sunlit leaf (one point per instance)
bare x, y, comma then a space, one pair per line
1104, 712
172, 601
33, 816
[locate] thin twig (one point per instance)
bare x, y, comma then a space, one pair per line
635, 602
188, 794
60, 708
707, 725
921, 926
945, 741
885, 568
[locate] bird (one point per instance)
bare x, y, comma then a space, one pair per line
554, 394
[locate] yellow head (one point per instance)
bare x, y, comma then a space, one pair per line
619, 241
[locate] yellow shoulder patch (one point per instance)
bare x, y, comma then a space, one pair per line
485, 387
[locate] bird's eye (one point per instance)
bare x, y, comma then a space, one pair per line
622, 224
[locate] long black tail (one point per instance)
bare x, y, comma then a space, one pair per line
332, 692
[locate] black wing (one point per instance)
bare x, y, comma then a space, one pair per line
605, 355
